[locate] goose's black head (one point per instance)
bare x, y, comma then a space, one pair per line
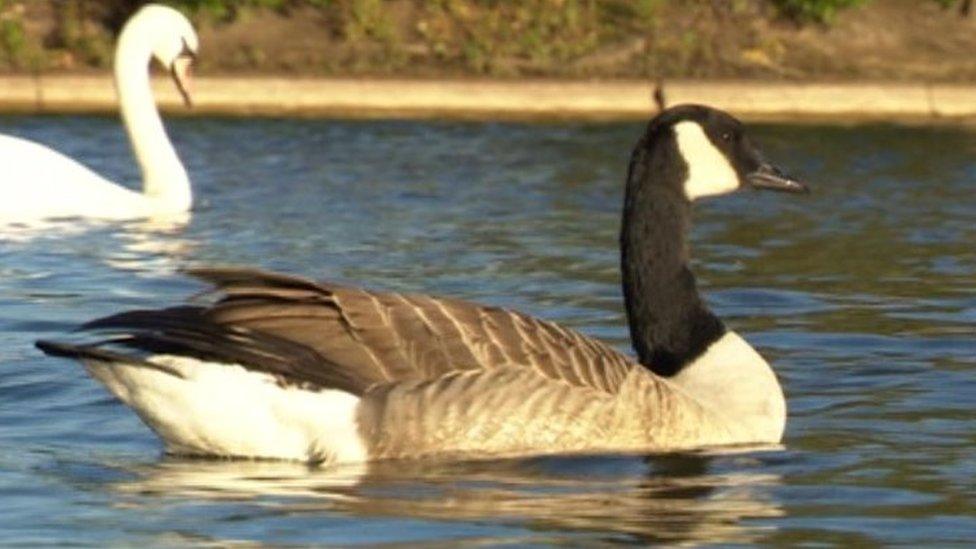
701, 151
688, 152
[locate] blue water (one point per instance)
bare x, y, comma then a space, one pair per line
862, 295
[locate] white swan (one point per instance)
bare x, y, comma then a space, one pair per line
37, 182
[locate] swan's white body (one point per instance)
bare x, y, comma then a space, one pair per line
38, 182
42, 183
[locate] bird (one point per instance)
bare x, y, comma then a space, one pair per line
39, 182
277, 366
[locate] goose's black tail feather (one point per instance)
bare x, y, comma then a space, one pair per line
190, 331
93, 352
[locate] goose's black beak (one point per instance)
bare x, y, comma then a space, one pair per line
769, 177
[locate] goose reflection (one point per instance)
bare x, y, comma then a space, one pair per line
670, 499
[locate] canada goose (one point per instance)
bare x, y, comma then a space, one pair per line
39, 182
283, 367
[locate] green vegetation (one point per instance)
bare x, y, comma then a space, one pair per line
799, 10
225, 9
824, 11
12, 41
815, 10
511, 38
17, 51
77, 33
525, 37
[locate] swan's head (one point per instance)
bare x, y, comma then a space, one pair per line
171, 40
706, 152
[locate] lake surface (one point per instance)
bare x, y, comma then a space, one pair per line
862, 295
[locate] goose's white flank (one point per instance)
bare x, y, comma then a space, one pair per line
283, 367
38, 182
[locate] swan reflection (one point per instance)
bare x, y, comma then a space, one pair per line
155, 245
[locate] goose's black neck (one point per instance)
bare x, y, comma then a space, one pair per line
670, 325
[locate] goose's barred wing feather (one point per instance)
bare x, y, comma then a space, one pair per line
329, 335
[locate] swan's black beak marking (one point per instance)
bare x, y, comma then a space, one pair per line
771, 178
181, 86
188, 51
180, 71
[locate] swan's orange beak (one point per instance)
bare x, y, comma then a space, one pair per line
180, 70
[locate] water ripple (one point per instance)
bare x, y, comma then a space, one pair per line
860, 295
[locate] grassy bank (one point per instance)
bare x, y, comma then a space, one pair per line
906, 40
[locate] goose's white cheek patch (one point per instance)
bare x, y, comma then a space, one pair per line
709, 171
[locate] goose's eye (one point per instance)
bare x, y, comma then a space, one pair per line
727, 137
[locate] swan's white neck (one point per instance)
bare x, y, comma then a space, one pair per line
164, 179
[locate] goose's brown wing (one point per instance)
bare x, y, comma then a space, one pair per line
329, 335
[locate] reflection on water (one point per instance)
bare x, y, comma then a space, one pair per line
861, 295
655, 499
153, 244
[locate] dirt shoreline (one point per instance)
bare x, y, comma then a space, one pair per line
492, 99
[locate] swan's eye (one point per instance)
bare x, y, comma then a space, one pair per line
727, 137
